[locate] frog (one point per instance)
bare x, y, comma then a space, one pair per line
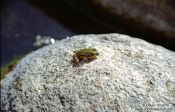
85, 54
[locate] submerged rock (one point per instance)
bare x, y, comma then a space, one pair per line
128, 75
154, 18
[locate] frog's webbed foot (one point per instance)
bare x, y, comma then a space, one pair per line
76, 65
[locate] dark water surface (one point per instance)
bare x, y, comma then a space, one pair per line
23, 20
20, 23
84, 16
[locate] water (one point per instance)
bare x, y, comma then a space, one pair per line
22, 21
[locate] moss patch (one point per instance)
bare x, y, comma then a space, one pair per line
5, 69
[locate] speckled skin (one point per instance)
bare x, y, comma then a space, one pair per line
86, 54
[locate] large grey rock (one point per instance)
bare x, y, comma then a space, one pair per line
150, 17
158, 15
129, 75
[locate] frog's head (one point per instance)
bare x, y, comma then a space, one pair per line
94, 51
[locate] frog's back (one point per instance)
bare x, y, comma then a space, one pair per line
84, 52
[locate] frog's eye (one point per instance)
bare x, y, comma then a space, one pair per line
94, 49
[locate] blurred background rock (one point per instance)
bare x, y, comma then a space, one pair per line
23, 20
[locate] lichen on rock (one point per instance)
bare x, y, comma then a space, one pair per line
128, 75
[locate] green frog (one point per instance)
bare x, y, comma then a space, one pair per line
86, 54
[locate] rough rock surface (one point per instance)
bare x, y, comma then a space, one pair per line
156, 14
154, 17
129, 75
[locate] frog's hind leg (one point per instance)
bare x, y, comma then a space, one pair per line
83, 60
76, 60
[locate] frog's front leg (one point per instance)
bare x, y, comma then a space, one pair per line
85, 59
75, 59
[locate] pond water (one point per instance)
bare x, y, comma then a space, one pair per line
23, 20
